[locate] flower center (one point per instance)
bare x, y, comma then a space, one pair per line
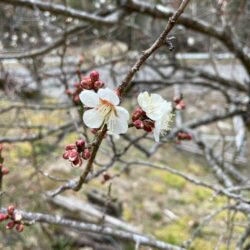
106, 109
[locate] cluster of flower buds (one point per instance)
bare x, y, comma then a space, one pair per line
141, 121
184, 136
179, 103
91, 82
3, 170
76, 153
15, 219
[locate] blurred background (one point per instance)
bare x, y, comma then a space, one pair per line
46, 47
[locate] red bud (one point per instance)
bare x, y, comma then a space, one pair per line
86, 83
10, 225
3, 217
86, 154
70, 146
5, 171
80, 143
138, 124
148, 126
19, 227
94, 76
99, 84
11, 209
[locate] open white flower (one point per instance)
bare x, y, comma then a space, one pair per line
104, 111
158, 110
151, 104
162, 125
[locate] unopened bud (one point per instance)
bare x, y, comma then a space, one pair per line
148, 126
73, 155
10, 225
19, 227
94, 76
106, 176
99, 84
86, 154
66, 155
70, 146
137, 114
77, 162
5, 171
138, 124
86, 83
184, 136
80, 143
181, 105
11, 209
3, 217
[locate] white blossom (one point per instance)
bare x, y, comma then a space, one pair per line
158, 110
104, 110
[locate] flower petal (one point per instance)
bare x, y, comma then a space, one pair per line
92, 118
89, 98
157, 130
118, 123
122, 113
109, 95
143, 100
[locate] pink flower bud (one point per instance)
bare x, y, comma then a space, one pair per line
68, 92
11, 209
5, 171
86, 154
77, 162
106, 176
73, 155
99, 84
184, 136
138, 124
10, 225
3, 217
70, 146
94, 76
137, 114
181, 105
148, 126
86, 83
80, 143
19, 227
66, 155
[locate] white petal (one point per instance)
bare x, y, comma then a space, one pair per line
92, 118
118, 124
167, 107
109, 95
89, 98
122, 113
157, 131
143, 100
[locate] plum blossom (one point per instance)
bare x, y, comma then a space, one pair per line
162, 125
158, 110
104, 111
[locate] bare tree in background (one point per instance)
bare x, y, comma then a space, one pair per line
200, 57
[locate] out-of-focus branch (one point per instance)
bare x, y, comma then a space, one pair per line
65, 11
159, 42
87, 227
